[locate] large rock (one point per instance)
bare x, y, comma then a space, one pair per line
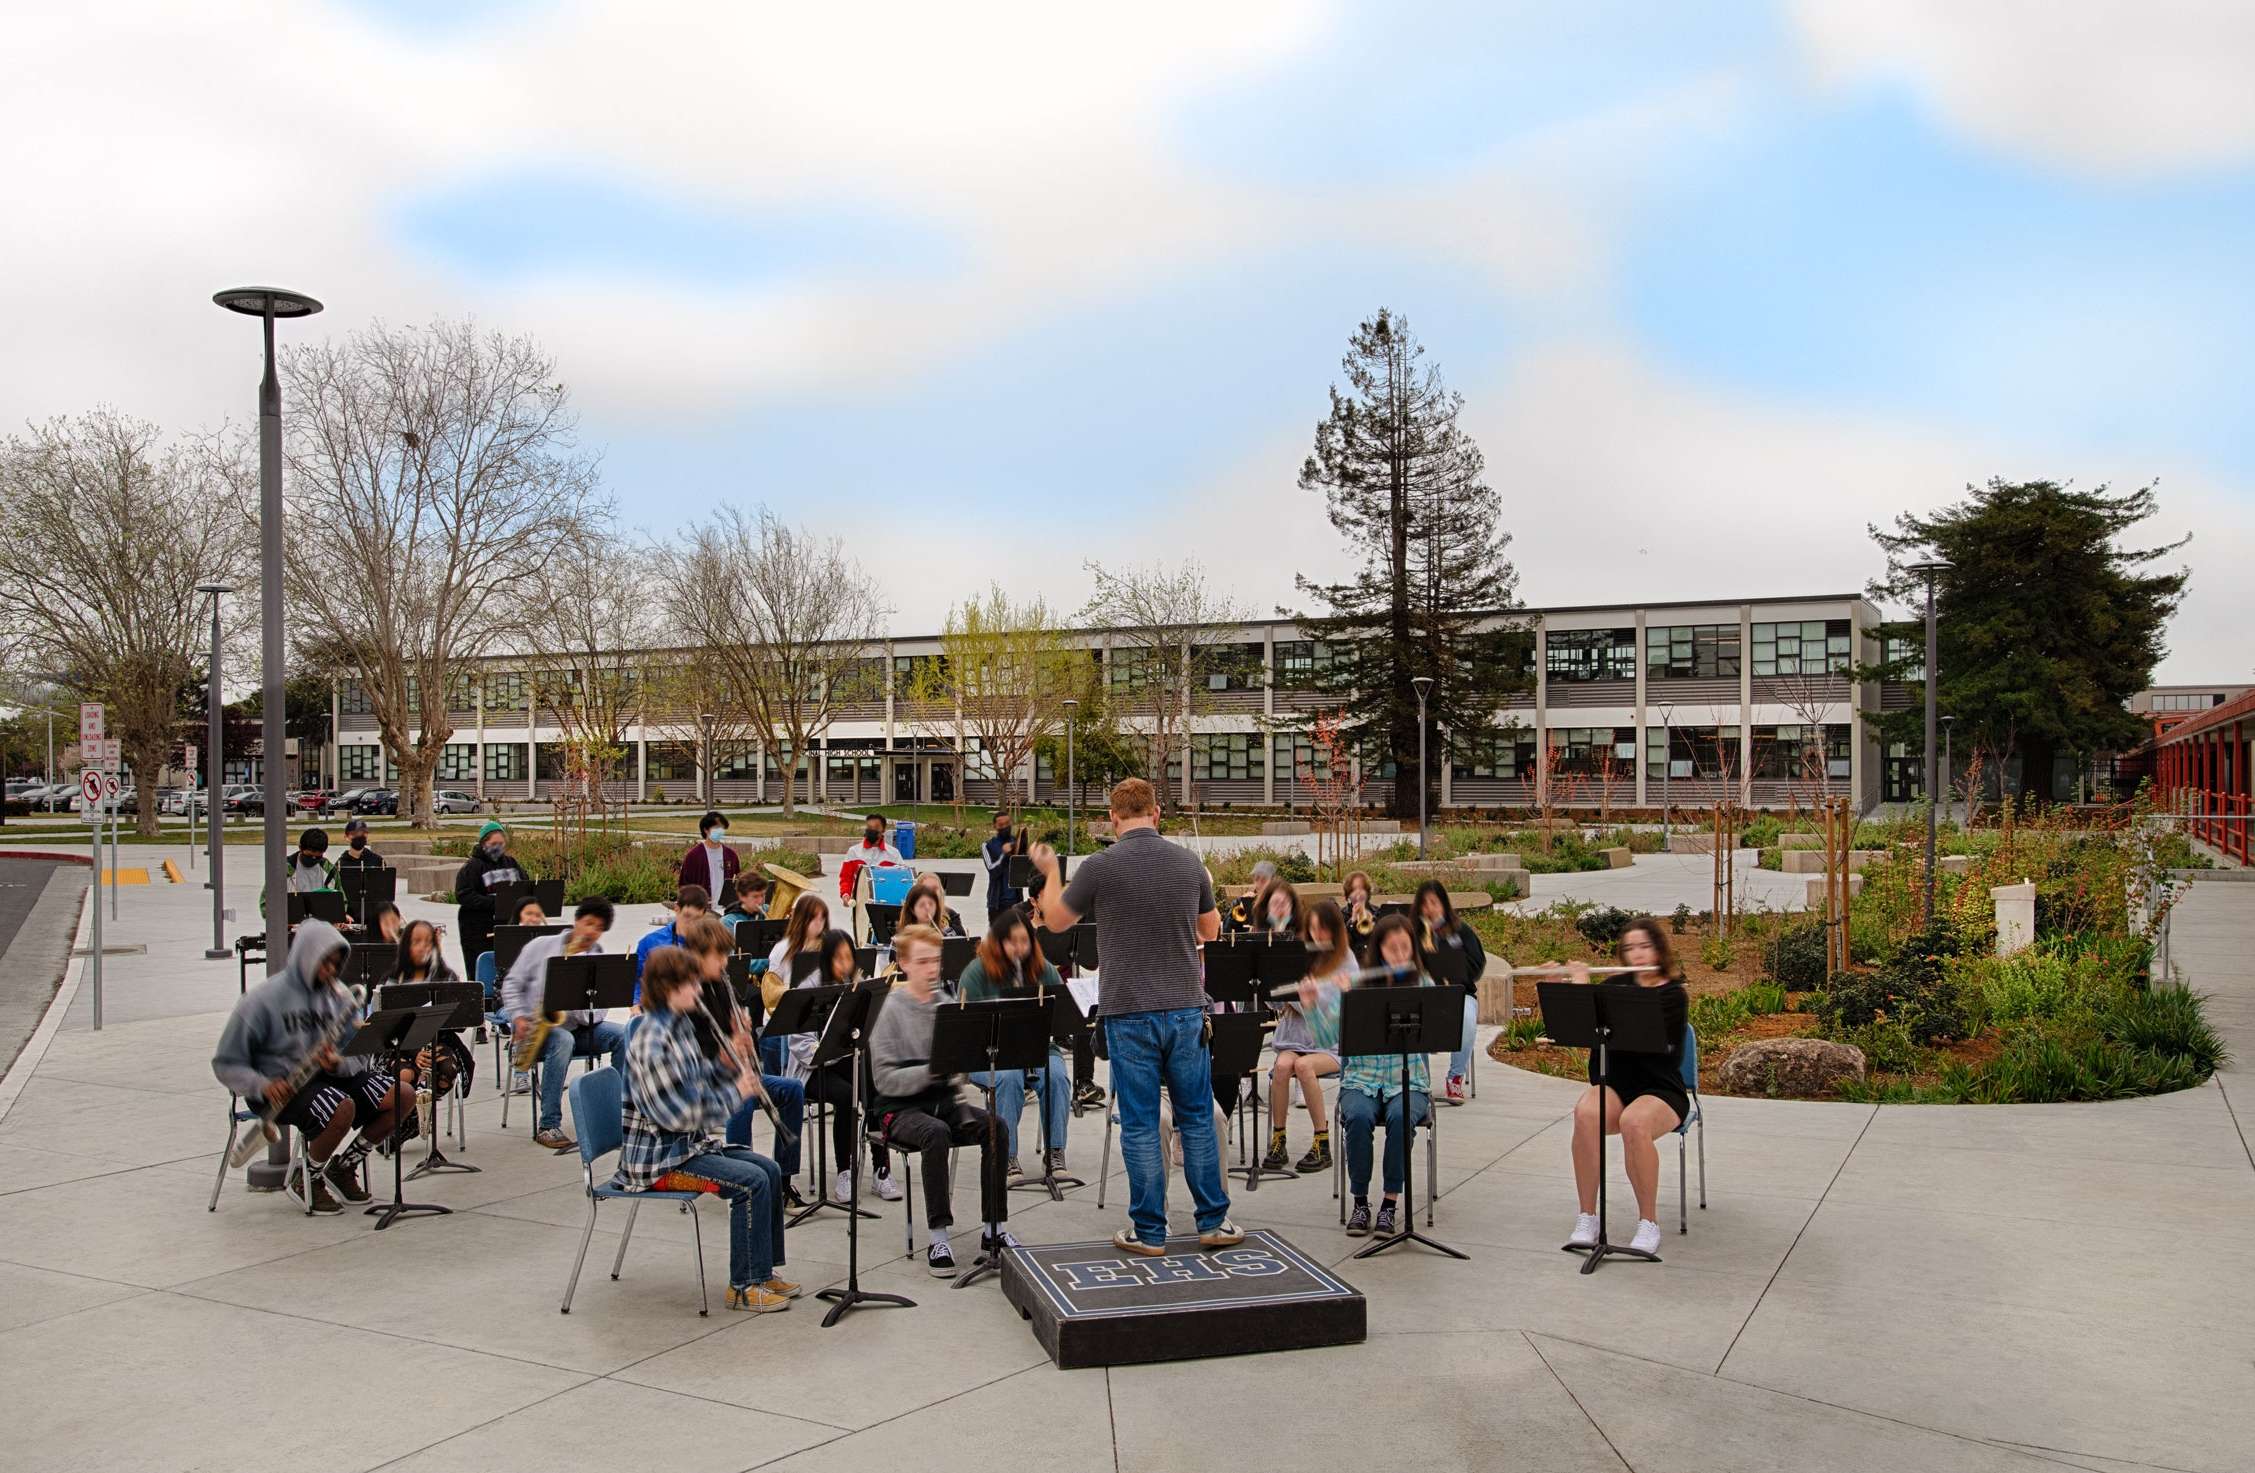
1792, 1068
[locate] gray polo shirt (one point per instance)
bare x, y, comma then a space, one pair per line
1146, 895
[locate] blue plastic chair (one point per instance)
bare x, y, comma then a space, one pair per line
1683, 1129
599, 1113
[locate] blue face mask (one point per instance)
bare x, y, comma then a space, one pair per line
717, 836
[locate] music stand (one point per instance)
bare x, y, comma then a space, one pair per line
1084, 947
865, 960
594, 983
989, 1037
1022, 872
883, 917
368, 964
1407, 1022
550, 894
317, 905
847, 1037
1057, 947
365, 887
759, 934
1446, 965
408, 1030
955, 954
463, 1004
1603, 1018
956, 883
509, 941
808, 1010
804, 964
1283, 961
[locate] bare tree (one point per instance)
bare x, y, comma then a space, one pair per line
434, 473
788, 614
1011, 668
690, 701
109, 530
597, 625
1152, 618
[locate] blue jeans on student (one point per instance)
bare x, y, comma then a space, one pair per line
753, 1186
1146, 1050
1056, 1086
1461, 1060
564, 1044
789, 1098
1358, 1117
771, 1052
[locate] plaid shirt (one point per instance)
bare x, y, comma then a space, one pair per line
676, 1099
1376, 1075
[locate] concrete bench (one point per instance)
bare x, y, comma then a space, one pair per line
1811, 861
1618, 858
1282, 827
1816, 890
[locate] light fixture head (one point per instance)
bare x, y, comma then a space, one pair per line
266, 301
215, 589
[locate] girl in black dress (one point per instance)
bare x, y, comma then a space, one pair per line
1647, 1099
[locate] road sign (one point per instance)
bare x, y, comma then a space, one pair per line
188, 760
111, 787
90, 788
106, 754
89, 722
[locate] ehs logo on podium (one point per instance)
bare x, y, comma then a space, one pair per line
1211, 1269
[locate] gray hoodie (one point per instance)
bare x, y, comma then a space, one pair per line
900, 1050
277, 1023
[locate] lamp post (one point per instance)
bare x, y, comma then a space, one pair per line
1072, 710
1421, 684
212, 768
1667, 767
705, 760
1949, 769
1930, 570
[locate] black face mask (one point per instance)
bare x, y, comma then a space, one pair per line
359, 841
1003, 833
873, 837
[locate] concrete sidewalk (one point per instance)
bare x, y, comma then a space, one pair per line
1894, 1288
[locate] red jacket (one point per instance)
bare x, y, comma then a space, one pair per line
697, 870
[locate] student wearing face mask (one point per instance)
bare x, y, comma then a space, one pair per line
710, 864
357, 854
489, 866
873, 849
997, 852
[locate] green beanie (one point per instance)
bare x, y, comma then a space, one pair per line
492, 827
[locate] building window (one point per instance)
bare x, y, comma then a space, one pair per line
505, 762
1593, 751
921, 678
1591, 654
1810, 647
505, 692
352, 699
1132, 670
1298, 758
1230, 666
672, 762
734, 761
458, 762
359, 764
1377, 762
1689, 751
860, 683
1691, 651
2180, 701
1226, 756
1307, 664
551, 761
1905, 657
1782, 753
1512, 756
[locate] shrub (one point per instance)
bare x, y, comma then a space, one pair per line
1679, 917
1913, 989
1763, 997
1235, 866
2171, 1023
1888, 1044
1717, 1014
1603, 927
1797, 957
1761, 832
1715, 952
1769, 856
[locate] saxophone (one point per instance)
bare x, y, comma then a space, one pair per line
522, 1057
255, 1141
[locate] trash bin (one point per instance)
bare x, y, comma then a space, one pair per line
904, 838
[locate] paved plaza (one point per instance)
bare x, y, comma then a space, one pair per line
1925, 1287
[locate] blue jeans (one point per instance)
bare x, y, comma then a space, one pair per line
789, 1098
753, 1186
1358, 1117
1461, 1060
1056, 1088
771, 1052
564, 1044
1146, 1049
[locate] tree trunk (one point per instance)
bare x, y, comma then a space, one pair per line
2035, 768
147, 757
416, 765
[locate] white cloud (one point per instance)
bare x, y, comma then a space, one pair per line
2157, 86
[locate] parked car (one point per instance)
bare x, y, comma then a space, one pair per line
175, 800
453, 800
312, 800
378, 802
346, 801
241, 798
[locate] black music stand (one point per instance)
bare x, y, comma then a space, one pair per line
808, 1010
593, 983
1067, 1026
407, 1030
316, 905
883, 917
1231, 979
509, 942
1595, 1016
847, 1037
1023, 871
550, 894
1057, 947
365, 887
955, 954
865, 960
464, 1006
956, 883
989, 1037
368, 964
1408, 1022
758, 935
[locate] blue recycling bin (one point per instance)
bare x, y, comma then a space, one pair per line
904, 838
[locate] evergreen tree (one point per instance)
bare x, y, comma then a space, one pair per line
2044, 625
1403, 484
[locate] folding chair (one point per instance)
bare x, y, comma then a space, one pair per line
599, 1113
1683, 1128
1430, 1125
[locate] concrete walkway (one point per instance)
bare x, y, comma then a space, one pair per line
1894, 1288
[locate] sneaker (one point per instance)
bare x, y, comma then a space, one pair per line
991, 1246
782, 1287
480, 1036
1227, 1235
324, 1202
939, 1259
841, 1190
1088, 1096
756, 1299
1358, 1221
1385, 1225
1318, 1157
791, 1197
346, 1180
554, 1139
1015, 1168
1585, 1231
887, 1188
520, 1081
1647, 1239
1455, 1095
1127, 1242
1057, 1161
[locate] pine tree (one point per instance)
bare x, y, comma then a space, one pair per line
1404, 484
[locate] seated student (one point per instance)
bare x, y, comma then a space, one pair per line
1307, 1048
921, 1110
803, 930
1370, 1086
1008, 965
1087, 1093
677, 1093
926, 905
747, 899
421, 961
833, 1082
1275, 909
529, 913
383, 924
284, 1022
1449, 948
579, 1033
689, 902
710, 946
1647, 1098
1244, 912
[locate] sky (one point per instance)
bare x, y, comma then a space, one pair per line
994, 290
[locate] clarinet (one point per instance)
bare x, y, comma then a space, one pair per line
720, 1038
257, 1140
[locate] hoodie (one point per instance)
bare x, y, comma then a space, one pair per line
474, 883
277, 1023
900, 1053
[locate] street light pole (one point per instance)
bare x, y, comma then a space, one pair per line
1421, 684
1930, 570
212, 769
1072, 709
1949, 769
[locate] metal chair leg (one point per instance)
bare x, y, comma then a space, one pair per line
697, 1246
1432, 1165
571, 1285
908, 1201
1104, 1168
1683, 1206
1702, 1127
234, 1128
619, 1262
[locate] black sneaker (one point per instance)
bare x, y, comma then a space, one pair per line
1088, 1096
346, 1180
324, 1202
1385, 1219
1318, 1157
1358, 1221
940, 1260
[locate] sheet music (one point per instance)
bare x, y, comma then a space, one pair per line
1083, 989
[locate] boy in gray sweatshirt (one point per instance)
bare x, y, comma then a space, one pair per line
282, 1022
922, 1111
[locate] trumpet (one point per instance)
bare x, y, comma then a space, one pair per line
721, 1036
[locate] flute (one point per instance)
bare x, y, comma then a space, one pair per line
1560, 969
767, 1106
1290, 991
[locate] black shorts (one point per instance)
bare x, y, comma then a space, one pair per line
1677, 1099
317, 1102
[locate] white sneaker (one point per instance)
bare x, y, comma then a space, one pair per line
842, 1188
1585, 1231
520, 1081
1647, 1239
889, 1189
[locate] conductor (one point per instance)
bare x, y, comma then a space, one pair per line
1154, 903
